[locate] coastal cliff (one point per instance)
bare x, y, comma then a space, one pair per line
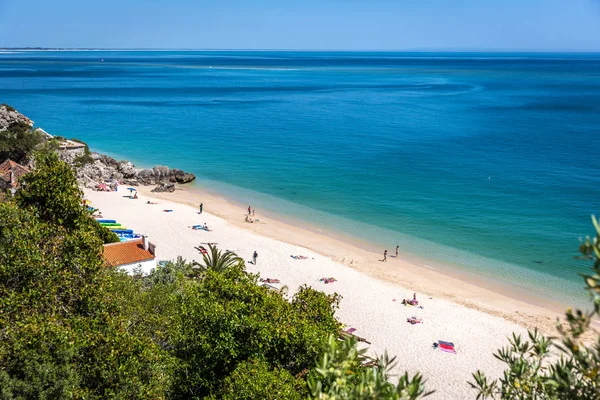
92, 169
9, 116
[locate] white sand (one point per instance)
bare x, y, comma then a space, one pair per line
367, 302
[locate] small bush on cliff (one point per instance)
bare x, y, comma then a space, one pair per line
532, 374
85, 158
18, 142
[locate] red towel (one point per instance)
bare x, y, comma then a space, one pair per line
446, 347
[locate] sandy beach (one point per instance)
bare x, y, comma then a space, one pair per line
477, 320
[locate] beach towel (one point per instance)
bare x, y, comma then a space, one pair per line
350, 330
448, 350
448, 347
202, 250
168, 210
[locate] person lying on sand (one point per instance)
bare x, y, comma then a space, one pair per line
202, 250
414, 320
150, 202
327, 280
270, 280
200, 227
299, 257
413, 302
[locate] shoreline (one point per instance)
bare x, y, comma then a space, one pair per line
439, 281
477, 321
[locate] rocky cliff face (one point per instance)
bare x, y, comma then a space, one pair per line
102, 168
9, 115
105, 168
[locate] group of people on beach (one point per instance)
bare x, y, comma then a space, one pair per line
251, 212
385, 253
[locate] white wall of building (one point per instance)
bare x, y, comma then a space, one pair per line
145, 266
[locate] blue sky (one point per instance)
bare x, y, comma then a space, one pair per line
543, 25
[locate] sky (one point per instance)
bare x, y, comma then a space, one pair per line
452, 25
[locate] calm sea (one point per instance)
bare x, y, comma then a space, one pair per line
486, 161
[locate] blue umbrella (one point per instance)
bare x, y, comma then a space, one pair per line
132, 189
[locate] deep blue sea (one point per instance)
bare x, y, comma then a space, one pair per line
489, 162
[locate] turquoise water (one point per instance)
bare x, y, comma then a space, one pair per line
487, 161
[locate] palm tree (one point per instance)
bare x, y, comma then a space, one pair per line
216, 260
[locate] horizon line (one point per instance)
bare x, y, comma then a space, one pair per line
458, 50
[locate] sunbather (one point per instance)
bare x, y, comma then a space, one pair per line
327, 280
270, 280
202, 250
413, 302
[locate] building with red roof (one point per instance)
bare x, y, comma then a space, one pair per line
131, 255
10, 172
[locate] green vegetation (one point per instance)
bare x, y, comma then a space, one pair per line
218, 261
8, 108
72, 328
18, 142
85, 158
52, 193
62, 334
341, 376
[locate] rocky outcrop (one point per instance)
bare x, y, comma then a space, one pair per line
164, 187
94, 168
161, 173
9, 115
106, 168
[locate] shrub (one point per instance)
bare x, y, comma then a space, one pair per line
18, 142
254, 379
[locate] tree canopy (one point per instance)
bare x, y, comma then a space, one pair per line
18, 142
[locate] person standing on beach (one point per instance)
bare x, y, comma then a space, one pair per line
254, 257
384, 255
201, 205
397, 247
249, 210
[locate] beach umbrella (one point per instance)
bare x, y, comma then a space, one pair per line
132, 189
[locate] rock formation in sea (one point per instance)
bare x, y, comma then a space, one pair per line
105, 168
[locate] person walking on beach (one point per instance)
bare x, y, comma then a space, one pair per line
254, 257
249, 210
384, 256
397, 247
201, 205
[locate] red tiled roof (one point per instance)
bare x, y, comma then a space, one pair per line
17, 169
116, 254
